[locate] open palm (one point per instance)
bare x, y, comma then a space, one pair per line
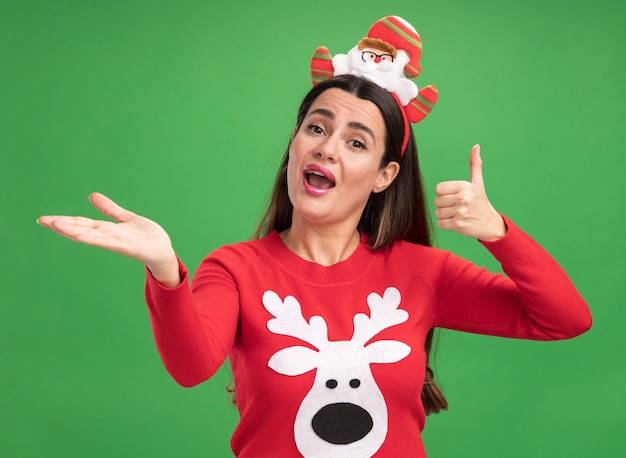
130, 234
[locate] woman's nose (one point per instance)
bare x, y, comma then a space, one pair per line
327, 150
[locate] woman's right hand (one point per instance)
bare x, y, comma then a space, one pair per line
131, 235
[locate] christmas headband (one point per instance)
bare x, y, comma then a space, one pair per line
389, 55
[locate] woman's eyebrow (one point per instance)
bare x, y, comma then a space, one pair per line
364, 128
353, 125
323, 112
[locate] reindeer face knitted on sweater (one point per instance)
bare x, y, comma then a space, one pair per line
389, 56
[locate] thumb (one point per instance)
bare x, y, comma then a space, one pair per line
109, 208
476, 167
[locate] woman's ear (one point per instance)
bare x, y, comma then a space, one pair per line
386, 176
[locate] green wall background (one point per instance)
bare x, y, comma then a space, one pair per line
181, 111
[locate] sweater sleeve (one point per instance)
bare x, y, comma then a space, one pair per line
534, 300
194, 325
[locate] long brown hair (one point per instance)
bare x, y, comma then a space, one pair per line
397, 213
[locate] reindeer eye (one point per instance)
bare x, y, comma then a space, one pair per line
355, 383
332, 383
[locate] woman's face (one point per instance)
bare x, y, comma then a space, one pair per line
335, 157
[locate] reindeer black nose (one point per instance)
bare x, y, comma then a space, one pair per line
342, 423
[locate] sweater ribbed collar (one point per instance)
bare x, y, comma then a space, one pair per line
346, 271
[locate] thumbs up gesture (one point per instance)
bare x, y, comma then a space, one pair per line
463, 206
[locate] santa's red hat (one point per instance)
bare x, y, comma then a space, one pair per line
401, 35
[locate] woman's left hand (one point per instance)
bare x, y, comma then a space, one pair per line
463, 206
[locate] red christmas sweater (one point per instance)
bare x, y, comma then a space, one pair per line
329, 361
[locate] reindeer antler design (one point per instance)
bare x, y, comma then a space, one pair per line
289, 321
384, 313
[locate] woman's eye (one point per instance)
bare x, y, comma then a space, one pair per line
315, 129
358, 144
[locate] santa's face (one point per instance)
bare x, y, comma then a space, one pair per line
370, 60
378, 65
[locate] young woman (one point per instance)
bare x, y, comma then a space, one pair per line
327, 314
326, 317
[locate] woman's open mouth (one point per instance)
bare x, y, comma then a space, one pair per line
318, 180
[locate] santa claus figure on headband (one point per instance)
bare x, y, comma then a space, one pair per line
380, 62
389, 55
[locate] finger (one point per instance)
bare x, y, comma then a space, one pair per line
447, 224
70, 226
476, 166
445, 213
109, 208
46, 220
449, 187
62, 225
49, 220
90, 232
446, 200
